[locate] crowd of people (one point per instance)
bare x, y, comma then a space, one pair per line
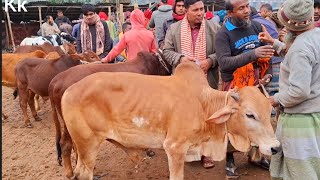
242, 47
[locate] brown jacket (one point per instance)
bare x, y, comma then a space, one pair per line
172, 49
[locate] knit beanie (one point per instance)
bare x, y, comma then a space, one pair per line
296, 15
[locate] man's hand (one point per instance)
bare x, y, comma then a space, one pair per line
264, 51
264, 36
187, 59
205, 65
282, 34
273, 102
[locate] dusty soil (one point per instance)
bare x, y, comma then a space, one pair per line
29, 153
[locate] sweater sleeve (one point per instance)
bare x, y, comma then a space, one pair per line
169, 50
151, 22
299, 87
226, 61
79, 47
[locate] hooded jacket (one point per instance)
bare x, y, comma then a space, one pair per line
136, 40
158, 17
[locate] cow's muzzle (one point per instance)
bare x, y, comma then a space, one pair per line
275, 150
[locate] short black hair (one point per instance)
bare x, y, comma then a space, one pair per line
87, 8
47, 17
316, 3
228, 5
125, 25
188, 3
59, 10
164, 1
267, 7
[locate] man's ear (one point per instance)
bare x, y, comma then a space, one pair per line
221, 116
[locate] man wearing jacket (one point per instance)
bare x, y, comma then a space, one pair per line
158, 17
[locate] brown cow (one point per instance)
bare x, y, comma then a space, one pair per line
9, 62
46, 47
34, 75
180, 114
145, 63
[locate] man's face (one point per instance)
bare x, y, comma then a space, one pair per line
127, 29
263, 12
180, 9
241, 9
195, 13
50, 20
60, 14
316, 13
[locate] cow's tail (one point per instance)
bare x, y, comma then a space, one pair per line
15, 93
58, 127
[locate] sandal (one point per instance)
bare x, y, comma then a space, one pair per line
207, 162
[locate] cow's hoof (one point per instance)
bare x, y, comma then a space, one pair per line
37, 118
60, 161
28, 125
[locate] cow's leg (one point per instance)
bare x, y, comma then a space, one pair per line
176, 152
66, 147
87, 149
31, 105
36, 102
23, 100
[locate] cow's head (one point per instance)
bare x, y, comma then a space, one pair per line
88, 56
69, 48
247, 116
67, 38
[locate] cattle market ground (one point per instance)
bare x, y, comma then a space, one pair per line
31, 154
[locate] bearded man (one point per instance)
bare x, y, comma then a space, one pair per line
243, 60
49, 27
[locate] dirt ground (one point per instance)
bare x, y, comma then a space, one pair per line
29, 153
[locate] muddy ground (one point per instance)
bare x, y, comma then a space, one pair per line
29, 153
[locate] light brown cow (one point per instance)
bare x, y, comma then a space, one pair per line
180, 114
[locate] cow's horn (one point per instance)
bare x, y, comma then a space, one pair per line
235, 96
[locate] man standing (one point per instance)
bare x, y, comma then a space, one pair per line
61, 19
93, 33
242, 60
266, 12
299, 96
316, 6
192, 39
177, 15
49, 27
125, 28
159, 16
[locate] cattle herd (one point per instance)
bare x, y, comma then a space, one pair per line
134, 105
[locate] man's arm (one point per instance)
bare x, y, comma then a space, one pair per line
226, 61
115, 51
299, 80
79, 47
151, 22
56, 29
169, 51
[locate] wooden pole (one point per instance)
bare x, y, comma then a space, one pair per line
212, 8
10, 30
40, 20
7, 34
121, 16
109, 11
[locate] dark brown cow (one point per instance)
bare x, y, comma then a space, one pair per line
34, 75
145, 63
46, 47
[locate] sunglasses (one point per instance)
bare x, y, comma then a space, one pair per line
89, 14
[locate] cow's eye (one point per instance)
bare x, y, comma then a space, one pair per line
251, 116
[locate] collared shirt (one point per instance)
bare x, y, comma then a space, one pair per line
194, 35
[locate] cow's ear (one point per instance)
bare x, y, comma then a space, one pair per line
221, 115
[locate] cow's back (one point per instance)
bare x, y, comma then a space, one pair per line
133, 105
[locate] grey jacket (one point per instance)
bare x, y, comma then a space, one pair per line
158, 17
299, 85
172, 49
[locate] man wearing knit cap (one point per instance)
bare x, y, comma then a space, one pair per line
298, 128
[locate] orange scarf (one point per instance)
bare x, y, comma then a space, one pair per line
186, 41
244, 76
